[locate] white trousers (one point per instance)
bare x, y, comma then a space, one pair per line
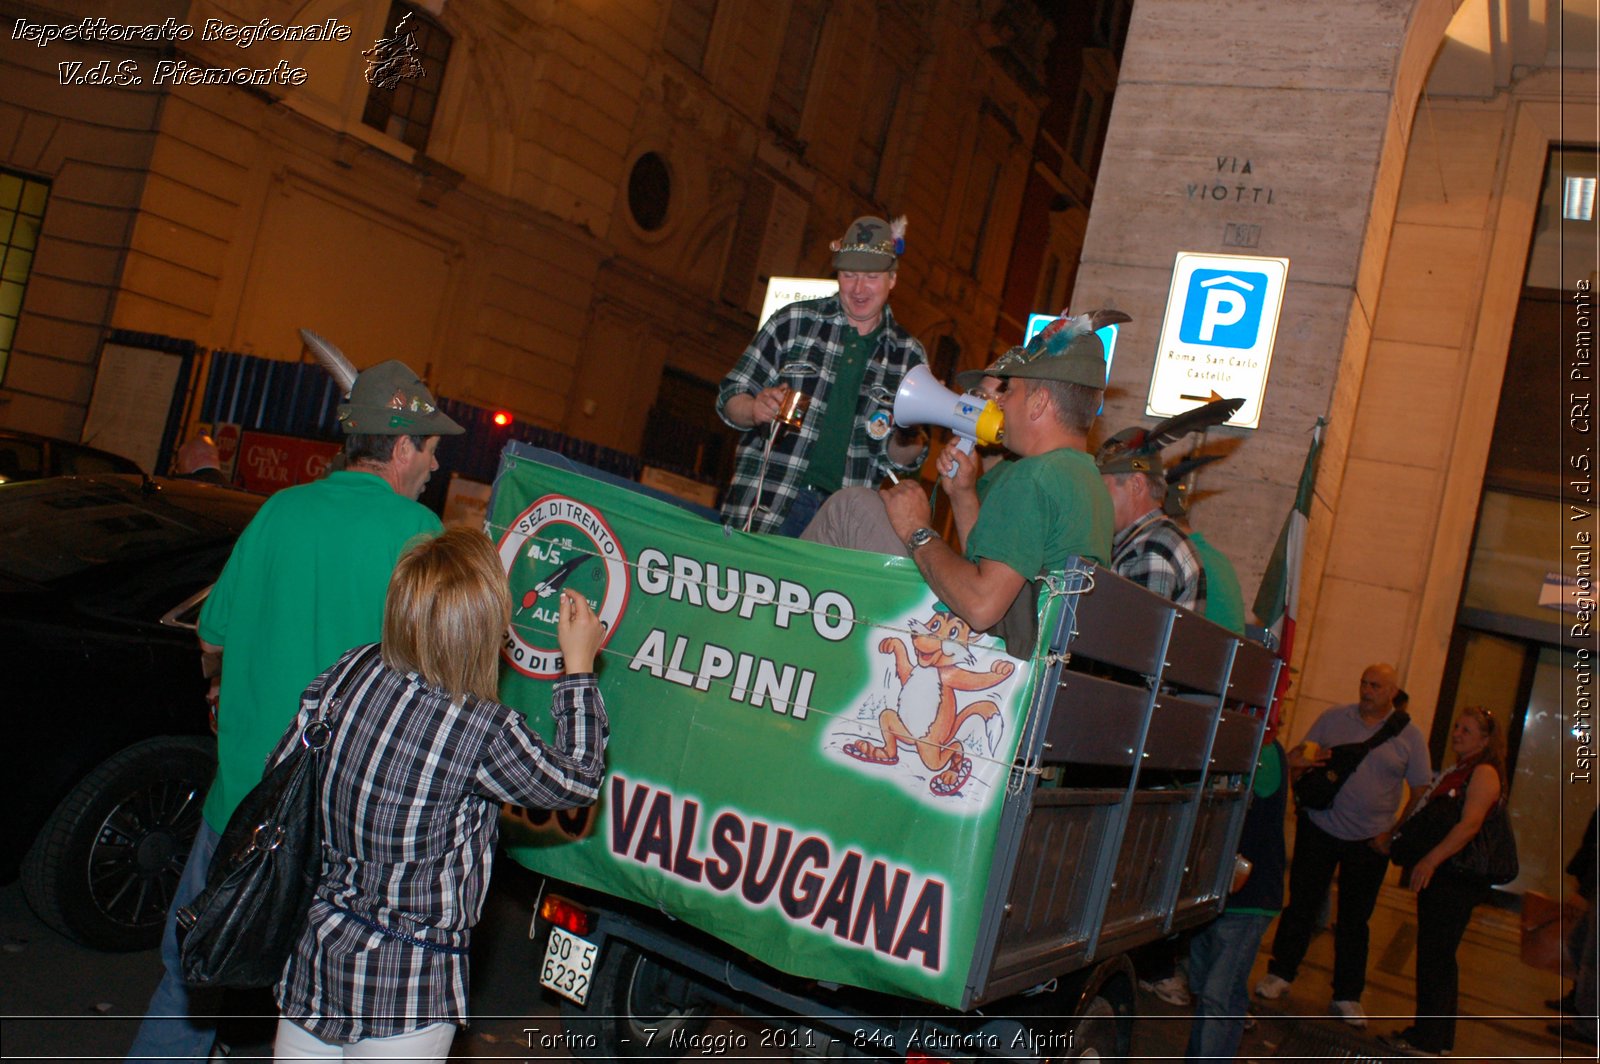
426, 1044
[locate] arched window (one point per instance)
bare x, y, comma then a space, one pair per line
404, 96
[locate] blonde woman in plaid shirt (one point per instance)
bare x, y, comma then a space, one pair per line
422, 758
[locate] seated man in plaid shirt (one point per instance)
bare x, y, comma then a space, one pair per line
1149, 548
847, 354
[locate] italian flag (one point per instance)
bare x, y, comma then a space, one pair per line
1279, 595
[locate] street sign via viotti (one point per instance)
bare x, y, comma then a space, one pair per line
1216, 337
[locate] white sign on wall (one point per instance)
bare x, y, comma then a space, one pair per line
1217, 335
781, 291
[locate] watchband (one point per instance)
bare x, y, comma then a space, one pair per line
920, 538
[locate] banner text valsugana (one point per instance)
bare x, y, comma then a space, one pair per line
865, 902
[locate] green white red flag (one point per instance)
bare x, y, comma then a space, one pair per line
1278, 599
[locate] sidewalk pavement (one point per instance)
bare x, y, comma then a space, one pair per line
1502, 1013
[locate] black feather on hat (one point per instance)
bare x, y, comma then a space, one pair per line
1136, 450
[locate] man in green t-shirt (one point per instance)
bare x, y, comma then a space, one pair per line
1022, 518
306, 582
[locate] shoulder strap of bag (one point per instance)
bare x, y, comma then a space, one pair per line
332, 702
1391, 727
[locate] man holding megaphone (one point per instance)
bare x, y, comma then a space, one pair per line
1024, 517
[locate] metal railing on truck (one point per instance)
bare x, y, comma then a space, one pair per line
1125, 808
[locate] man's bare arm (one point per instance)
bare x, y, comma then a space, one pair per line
978, 592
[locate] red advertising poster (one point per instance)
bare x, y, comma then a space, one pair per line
268, 462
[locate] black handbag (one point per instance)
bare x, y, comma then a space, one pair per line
1424, 829
241, 928
1492, 853
1317, 787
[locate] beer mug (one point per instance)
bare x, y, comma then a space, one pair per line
794, 408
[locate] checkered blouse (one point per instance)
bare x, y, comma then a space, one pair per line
411, 794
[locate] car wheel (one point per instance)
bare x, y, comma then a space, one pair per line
106, 864
637, 1007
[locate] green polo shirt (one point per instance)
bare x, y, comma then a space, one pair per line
306, 582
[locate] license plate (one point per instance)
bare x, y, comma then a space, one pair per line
568, 965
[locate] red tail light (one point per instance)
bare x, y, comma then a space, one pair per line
567, 915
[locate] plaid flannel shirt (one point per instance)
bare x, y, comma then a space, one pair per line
1154, 553
411, 791
810, 332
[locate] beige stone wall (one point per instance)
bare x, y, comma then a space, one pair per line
1407, 229
1399, 542
1305, 97
1318, 101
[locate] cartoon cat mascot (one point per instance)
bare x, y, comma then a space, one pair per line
926, 715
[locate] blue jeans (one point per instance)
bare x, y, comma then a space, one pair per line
801, 511
180, 1023
1220, 956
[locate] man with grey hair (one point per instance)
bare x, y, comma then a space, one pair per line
1023, 517
1149, 549
305, 582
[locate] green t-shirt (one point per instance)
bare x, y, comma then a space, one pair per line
305, 583
1224, 600
825, 469
1036, 512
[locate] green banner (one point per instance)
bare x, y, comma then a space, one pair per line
808, 756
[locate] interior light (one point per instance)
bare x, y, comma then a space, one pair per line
1577, 199
502, 418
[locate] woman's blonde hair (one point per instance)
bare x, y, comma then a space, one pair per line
447, 612
1494, 755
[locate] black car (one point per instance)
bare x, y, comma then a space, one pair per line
110, 751
26, 456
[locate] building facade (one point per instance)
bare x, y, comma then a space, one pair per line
572, 204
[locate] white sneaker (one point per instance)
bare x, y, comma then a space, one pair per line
1173, 990
1272, 987
1350, 1012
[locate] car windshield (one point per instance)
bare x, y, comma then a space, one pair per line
52, 529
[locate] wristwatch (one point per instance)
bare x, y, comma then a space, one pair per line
920, 538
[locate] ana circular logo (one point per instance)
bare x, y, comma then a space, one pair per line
558, 542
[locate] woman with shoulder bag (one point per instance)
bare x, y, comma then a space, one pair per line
1446, 892
421, 759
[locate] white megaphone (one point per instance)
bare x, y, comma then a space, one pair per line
922, 400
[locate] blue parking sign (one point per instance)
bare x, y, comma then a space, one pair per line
1223, 308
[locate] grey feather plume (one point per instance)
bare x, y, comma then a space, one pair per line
332, 359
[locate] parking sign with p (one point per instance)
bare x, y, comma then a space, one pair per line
1216, 337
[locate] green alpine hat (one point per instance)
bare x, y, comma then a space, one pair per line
1066, 350
968, 379
871, 245
390, 400
1126, 452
